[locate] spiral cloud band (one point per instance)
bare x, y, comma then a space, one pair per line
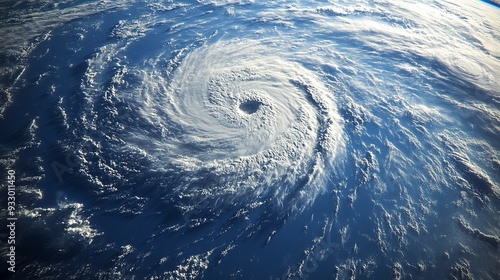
247, 116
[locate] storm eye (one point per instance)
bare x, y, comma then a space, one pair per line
250, 106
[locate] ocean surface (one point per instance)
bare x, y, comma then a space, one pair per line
250, 139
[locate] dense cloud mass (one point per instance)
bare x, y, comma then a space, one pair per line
252, 139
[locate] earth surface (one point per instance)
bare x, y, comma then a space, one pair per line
251, 139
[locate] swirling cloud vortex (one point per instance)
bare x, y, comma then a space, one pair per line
260, 124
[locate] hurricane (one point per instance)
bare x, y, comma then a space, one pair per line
234, 110
250, 139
